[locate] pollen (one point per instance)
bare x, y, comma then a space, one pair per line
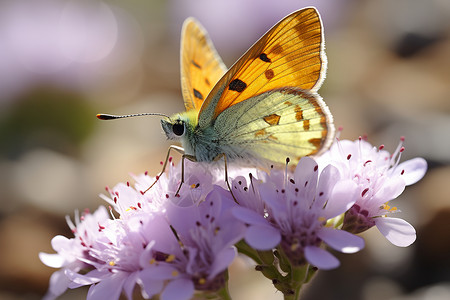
295, 246
112, 263
170, 258
175, 273
389, 208
152, 261
202, 281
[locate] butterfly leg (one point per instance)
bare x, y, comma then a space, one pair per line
172, 147
226, 174
191, 158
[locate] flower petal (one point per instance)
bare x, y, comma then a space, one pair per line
321, 258
222, 260
306, 174
59, 243
180, 289
248, 216
149, 284
262, 237
341, 240
58, 285
52, 260
269, 196
158, 272
413, 170
129, 284
328, 178
341, 199
390, 190
109, 288
93, 276
397, 231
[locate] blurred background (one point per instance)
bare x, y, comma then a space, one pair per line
62, 61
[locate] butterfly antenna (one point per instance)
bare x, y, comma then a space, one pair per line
113, 117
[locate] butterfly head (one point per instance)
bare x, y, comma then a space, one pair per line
178, 126
174, 128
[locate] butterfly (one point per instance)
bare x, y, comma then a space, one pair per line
265, 108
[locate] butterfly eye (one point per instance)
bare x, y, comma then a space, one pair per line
178, 129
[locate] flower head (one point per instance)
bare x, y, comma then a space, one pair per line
206, 234
298, 207
167, 244
380, 178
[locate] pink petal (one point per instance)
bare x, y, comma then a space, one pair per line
109, 288
180, 289
129, 284
391, 189
61, 243
158, 272
151, 287
93, 276
321, 258
340, 240
341, 199
306, 175
413, 170
269, 196
222, 260
52, 260
58, 285
248, 216
262, 237
397, 231
328, 178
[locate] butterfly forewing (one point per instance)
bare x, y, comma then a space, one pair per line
277, 124
201, 66
288, 55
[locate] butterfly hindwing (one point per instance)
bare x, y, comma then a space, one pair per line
296, 124
201, 66
290, 54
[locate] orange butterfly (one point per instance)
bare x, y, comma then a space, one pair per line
265, 108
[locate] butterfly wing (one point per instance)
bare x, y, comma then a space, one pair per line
290, 54
281, 123
201, 66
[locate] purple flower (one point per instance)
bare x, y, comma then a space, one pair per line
73, 254
380, 179
169, 245
298, 208
206, 233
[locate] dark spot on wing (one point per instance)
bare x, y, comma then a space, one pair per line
277, 49
264, 58
237, 85
196, 64
197, 94
269, 74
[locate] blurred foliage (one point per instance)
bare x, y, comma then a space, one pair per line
46, 117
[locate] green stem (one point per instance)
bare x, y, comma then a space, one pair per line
245, 249
224, 294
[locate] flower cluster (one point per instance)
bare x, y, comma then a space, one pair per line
179, 244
